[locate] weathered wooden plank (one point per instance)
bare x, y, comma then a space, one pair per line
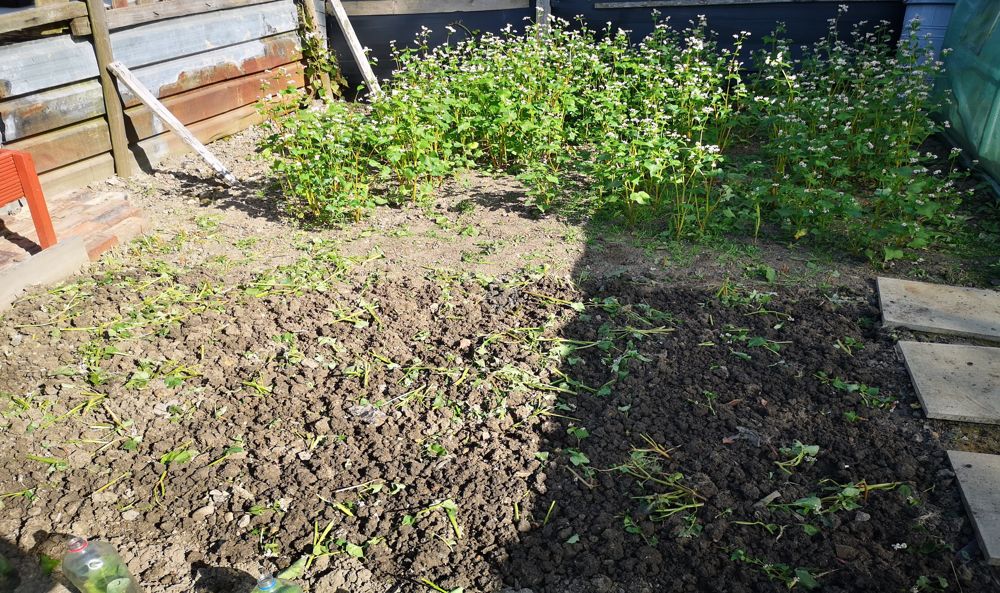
41, 16
177, 76
51, 109
382, 7
321, 12
360, 57
66, 145
206, 102
45, 63
175, 38
112, 104
151, 151
62, 106
130, 16
78, 174
125, 76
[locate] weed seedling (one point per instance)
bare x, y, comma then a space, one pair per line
26, 494
450, 509
870, 396
177, 456
848, 345
53, 464
235, 448
632, 527
796, 454
709, 397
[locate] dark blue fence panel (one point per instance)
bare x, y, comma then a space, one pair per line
377, 31
806, 21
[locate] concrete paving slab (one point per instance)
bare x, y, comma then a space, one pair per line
979, 478
955, 381
940, 309
52, 265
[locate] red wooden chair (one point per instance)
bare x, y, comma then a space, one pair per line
19, 180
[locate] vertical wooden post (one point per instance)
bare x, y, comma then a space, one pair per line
112, 102
312, 26
356, 50
543, 9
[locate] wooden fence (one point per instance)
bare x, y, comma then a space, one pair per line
208, 61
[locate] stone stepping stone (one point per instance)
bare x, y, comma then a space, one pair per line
954, 381
979, 478
940, 309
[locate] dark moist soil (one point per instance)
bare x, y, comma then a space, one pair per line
456, 390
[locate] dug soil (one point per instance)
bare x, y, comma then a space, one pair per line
470, 397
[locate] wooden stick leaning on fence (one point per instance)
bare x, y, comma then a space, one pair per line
356, 50
161, 111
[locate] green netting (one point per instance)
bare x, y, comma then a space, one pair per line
973, 76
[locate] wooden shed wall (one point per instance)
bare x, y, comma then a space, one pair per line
208, 68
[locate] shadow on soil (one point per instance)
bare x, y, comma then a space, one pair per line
218, 579
658, 464
22, 571
251, 196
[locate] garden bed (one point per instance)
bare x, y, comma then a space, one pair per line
473, 396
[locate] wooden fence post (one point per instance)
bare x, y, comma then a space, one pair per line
112, 102
543, 9
312, 26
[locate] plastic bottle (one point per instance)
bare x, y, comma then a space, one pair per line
270, 584
96, 567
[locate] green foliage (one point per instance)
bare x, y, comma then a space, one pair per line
842, 130
666, 133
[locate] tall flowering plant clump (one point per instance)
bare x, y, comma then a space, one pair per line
655, 134
659, 156
842, 130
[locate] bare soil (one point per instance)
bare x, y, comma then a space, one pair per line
475, 358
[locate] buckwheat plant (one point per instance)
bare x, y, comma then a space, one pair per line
843, 128
645, 133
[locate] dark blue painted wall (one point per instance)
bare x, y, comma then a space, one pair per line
375, 33
806, 22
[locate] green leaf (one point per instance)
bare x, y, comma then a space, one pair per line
296, 570
179, 455
48, 564
639, 197
811, 504
806, 579
892, 253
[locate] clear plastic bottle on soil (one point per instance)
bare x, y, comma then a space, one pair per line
270, 584
96, 567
